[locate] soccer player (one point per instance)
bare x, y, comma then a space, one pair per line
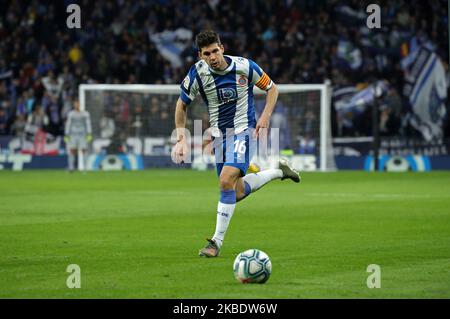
225, 84
78, 133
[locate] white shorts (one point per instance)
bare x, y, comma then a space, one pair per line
77, 142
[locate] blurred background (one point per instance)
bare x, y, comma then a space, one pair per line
42, 62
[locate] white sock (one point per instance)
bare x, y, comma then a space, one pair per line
224, 213
258, 180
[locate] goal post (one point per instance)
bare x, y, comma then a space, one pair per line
124, 114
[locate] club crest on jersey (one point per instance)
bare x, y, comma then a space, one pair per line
227, 95
242, 81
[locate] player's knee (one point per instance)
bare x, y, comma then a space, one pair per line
227, 182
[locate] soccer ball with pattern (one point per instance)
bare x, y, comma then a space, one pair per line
252, 266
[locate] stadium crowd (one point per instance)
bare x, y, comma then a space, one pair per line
42, 61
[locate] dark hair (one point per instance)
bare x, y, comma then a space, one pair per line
205, 38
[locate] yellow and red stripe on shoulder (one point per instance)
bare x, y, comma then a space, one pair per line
264, 82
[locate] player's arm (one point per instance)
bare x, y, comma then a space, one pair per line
271, 100
180, 119
181, 148
261, 80
207, 145
189, 90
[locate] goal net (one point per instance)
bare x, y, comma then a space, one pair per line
133, 124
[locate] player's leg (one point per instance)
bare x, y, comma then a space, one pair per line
227, 202
71, 149
228, 178
242, 189
237, 160
72, 146
71, 158
229, 171
252, 182
84, 159
83, 147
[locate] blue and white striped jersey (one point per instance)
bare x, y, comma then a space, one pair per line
228, 94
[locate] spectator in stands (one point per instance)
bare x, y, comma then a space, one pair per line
3, 120
52, 85
37, 120
18, 127
294, 41
107, 126
75, 54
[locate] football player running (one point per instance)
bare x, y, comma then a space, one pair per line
225, 84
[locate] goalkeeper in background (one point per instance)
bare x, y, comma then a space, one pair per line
77, 133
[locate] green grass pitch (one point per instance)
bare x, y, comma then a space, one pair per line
137, 235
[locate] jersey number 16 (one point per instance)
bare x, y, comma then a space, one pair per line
239, 147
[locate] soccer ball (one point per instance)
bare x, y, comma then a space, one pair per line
252, 266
